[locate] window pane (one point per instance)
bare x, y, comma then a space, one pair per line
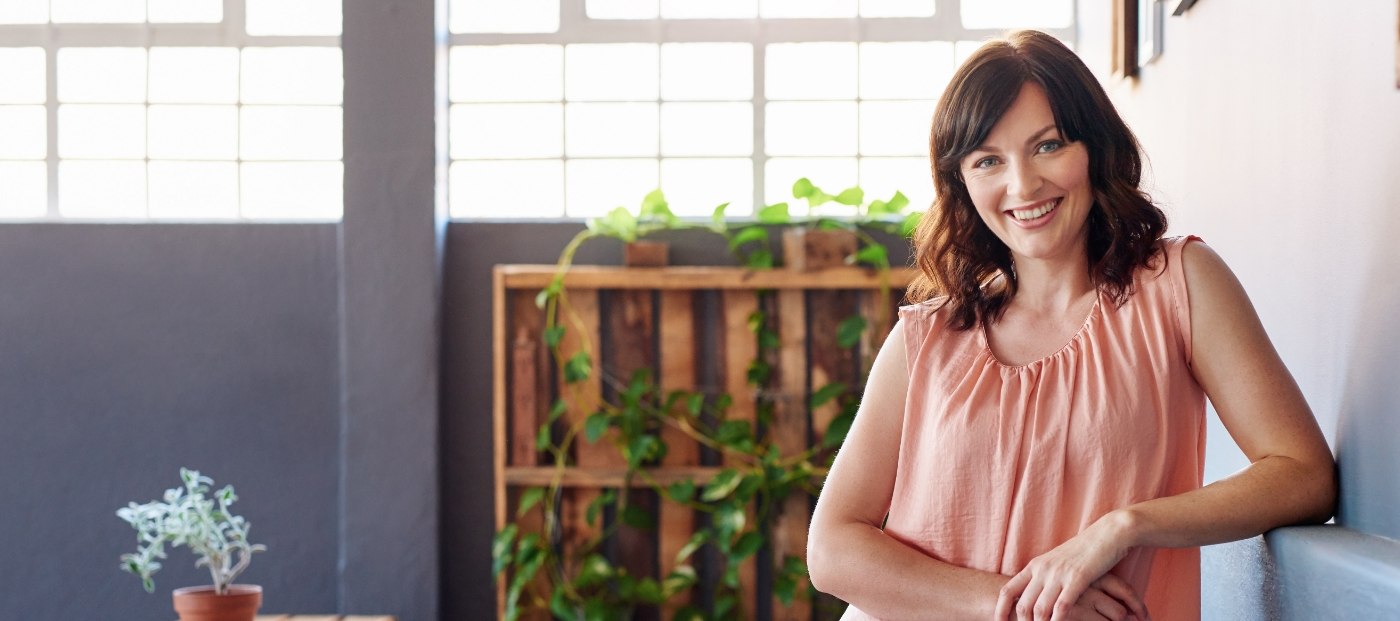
595, 187
193, 132
98, 11
506, 73
293, 17
807, 8
896, 8
880, 177
885, 69
610, 130
707, 129
610, 72
810, 71
194, 190
100, 189
811, 128
26, 192
509, 16
96, 131
1017, 13
707, 71
505, 189
22, 75
24, 12
621, 9
694, 187
290, 133
292, 191
185, 11
710, 9
23, 133
507, 130
194, 75
895, 127
292, 75
102, 74
831, 174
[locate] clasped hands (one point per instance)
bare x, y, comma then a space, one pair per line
1072, 582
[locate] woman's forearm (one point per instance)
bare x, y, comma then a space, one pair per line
1274, 491
885, 578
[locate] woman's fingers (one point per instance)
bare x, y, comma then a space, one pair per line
1123, 592
1104, 604
1010, 593
1025, 606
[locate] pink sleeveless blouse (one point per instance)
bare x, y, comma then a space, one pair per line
999, 464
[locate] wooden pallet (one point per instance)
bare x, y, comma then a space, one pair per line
690, 326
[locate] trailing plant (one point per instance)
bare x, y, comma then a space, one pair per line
745, 494
188, 516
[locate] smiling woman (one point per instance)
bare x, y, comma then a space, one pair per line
1031, 440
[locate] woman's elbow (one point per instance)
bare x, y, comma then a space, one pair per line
823, 562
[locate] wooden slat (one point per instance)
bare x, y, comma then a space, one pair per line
631, 347
678, 372
879, 314
789, 434
584, 397
740, 349
830, 363
670, 278
498, 414
529, 376
608, 477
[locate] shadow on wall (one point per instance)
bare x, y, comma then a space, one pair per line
1368, 427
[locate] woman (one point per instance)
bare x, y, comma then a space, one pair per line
1031, 441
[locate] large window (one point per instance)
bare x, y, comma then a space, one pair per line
170, 110
568, 108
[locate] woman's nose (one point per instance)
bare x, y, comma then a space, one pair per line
1025, 180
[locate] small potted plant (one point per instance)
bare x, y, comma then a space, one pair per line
816, 242
189, 516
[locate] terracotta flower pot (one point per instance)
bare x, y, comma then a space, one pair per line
645, 254
203, 604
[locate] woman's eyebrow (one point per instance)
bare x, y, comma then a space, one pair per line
1034, 138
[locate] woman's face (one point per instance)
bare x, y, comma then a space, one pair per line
1029, 185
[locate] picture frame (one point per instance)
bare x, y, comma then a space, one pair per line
1182, 6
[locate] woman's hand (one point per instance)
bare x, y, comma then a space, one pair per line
1108, 599
1053, 584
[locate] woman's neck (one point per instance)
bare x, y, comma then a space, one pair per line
1052, 286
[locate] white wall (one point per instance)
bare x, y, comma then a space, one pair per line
1273, 131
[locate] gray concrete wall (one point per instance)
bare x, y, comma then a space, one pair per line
128, 351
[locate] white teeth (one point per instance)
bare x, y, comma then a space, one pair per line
1031, 214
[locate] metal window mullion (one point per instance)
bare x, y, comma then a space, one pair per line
51, 119
760, 121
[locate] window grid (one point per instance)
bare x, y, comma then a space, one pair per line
229, 33
576, 28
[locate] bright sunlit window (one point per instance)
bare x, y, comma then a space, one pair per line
140, 110
557, 112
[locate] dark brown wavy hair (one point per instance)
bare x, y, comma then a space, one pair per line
960, 257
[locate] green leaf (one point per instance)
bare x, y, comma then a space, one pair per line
642, 448
695, 404
747, 487
619, 224
849, 331
530, 498
727, 520
747, 546
501, 545
746, 235
851, 196
717, 217
761, 259
637, 517
785, 587
560, 606
759, 372
556, 285
543, 438
590, 515
560, 406
681, 491
696, 540
578, 368
680, 579
722, 485
837, 429
732, 432
803, 188
654, 206
897, 202
593, 570
873, 254
776, 213
826, 393
911, 222
595, 425
730, 579
649, 591
724, 604
689, 613
552, 335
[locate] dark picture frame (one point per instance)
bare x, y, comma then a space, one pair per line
1182, 6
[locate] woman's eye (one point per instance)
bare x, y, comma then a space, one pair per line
985, 162
1049, 146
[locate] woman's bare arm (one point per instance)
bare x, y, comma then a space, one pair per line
848, 555
1290, 478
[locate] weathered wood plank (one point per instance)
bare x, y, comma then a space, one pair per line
724, 278
529, 377
789, 434
608, 477
679, 364
630, 347
829, 363
581, 322
740, 350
